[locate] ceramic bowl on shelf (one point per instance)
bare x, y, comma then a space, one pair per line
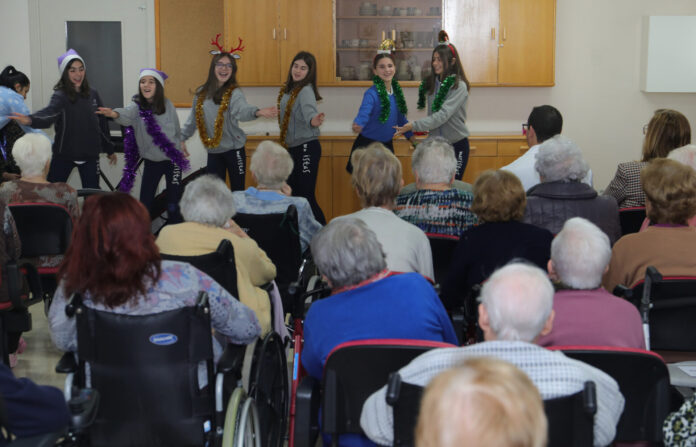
347, 72
355, 43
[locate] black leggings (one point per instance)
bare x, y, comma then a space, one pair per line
362, 141
303, 179
60, 170
461, 152
152, 173
232, 162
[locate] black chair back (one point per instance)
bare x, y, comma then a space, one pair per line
443, 248
146, 370
644, 382
44, 228
219, 265
355, 370
278, 235
631, 219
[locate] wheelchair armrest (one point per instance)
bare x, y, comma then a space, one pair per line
268, 287
83, 409
307, 411
232, 359
67, 364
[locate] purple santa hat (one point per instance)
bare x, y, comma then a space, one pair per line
159, 75
65, 58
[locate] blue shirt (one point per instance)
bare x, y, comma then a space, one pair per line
11, 101
368, 117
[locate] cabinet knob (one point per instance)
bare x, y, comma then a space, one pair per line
274, 34
492, 33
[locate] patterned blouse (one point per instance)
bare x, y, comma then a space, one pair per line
441, 212
625, 187
679, 427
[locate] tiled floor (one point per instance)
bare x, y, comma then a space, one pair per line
39, 360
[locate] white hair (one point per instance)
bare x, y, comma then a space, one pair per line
434, 161
31, 153
685, 155
271, 164
580, 253
347, 252
207, 200
559, 159
518, 298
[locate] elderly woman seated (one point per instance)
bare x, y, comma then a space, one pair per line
208, 207
377, 179
436, 207
270, 167
562, 195
114, 263
669, 244
499, 203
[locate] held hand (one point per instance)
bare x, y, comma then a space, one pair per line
317, 120
403, 129
357, 128
107, 112
268, 112
21, 119
286, 189
112, 159
183, 150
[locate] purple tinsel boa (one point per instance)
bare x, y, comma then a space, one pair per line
130, 149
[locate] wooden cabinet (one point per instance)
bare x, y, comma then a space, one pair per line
335, 194
504, 42
274, 31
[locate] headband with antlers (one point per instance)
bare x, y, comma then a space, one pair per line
220, 49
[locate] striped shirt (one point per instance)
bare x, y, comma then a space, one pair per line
441, 212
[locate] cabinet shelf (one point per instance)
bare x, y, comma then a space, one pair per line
373, 50
389, 17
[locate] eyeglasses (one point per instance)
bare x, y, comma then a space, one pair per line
645, 129
221, 65
525, 128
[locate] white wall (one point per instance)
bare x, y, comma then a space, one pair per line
598, 51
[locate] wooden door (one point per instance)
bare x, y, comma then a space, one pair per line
527, 35
472, 26
307, 25
256, 23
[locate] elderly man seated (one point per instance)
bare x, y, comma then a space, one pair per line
207, 207
436, 207
367, 301
586, 314
562, 195
270, 166
516, 308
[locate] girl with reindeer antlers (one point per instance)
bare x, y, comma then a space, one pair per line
218, 106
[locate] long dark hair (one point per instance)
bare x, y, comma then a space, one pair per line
157, 105
311, 78
210, 85
68, 88
11, 77
451, 64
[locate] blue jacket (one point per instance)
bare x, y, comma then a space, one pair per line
368, 117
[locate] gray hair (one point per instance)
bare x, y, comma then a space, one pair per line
31, 153
271, 164
518, 298
347, 252
559, 159
434, 161
685, 155
207, 200
580, 253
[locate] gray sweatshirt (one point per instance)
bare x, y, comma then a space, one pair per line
232, 136
168, 122
450, 121
300, 130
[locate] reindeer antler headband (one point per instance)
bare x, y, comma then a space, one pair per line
220, 49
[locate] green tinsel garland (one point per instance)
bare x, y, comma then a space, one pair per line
384, 98
439, 97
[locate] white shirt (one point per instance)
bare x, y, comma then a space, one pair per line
406, 246
524, 169
554, 374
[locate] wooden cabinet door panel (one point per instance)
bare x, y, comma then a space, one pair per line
527, 33
476, 165
483, 148
345, 201
512, 147
255, 22
323, 188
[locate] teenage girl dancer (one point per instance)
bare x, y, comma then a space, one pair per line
299, 122
217, 108
81, 134
383, 106
447, 91
155, 136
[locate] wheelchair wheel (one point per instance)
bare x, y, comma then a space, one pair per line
232, 416
269, 389
248, 432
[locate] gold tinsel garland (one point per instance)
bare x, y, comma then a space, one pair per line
288, 109
214, 142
